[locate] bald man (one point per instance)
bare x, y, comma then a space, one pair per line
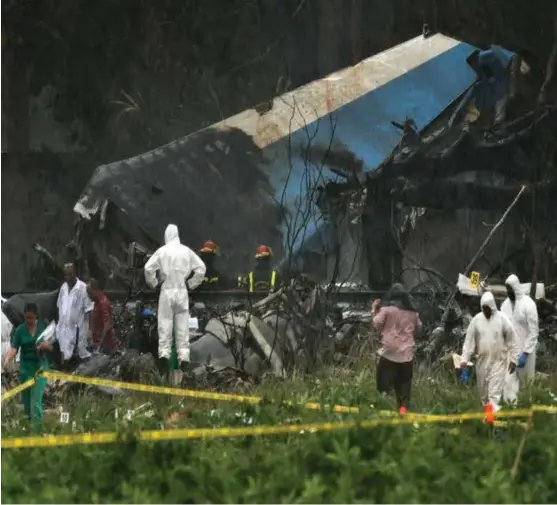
74, 307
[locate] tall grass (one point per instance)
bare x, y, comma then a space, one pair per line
469, 462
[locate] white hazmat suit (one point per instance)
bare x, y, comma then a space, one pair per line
493, 341
523, 313
175, 262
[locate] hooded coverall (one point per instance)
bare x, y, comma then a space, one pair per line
493, 340
175, 262
523, 313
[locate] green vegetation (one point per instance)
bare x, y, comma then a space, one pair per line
435, 463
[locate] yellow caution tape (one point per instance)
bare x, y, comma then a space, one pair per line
204, 395
208, 395
18, 389
191, 434
58, 440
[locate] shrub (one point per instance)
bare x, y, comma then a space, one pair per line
390, 464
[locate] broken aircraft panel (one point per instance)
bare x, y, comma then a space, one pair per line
256, 177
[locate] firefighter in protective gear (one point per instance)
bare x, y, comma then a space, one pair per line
208, 254
523, 313
491, 337
263, 277
175, 263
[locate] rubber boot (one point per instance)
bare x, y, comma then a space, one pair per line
164, 368
188, 379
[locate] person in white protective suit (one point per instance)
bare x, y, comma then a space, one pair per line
175, 263
523, 313
491, 337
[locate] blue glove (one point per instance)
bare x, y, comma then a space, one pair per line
522, 360
464, 376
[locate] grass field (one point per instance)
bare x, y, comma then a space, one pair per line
436, 463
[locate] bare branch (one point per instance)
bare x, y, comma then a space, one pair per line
551, 67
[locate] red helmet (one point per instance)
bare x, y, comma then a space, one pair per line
209, 247
263, 251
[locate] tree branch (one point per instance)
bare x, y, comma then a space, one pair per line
550, 68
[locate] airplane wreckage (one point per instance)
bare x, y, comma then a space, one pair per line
333, 175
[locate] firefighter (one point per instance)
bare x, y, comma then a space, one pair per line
263, 277
212, 280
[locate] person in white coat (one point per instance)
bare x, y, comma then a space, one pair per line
74, 307
175, 263
491, 337
7, 328
523, 313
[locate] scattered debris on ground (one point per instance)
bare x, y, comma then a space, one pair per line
299, 328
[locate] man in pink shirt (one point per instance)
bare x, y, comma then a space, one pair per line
397, 318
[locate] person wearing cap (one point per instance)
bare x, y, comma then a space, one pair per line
263, 277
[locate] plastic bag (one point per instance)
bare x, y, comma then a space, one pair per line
511, 387
48, 335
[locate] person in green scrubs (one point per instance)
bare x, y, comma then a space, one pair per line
31, 359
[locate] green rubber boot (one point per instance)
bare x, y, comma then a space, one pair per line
173, 362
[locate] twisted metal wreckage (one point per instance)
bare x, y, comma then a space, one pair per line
333, 166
